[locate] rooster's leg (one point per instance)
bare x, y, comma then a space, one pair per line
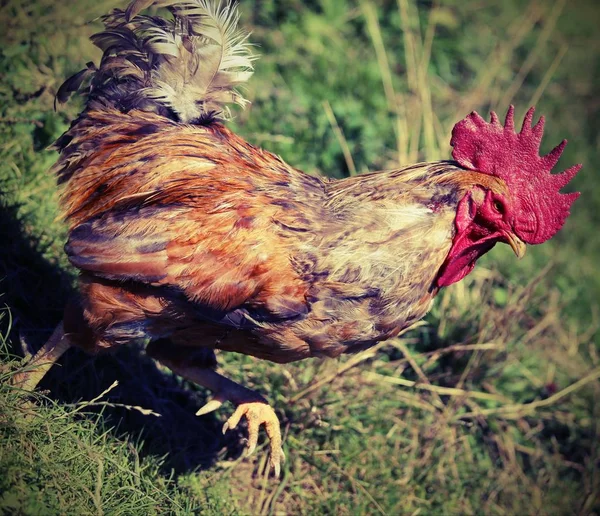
250, 405
43, 360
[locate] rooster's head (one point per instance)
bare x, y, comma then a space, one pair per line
525, 207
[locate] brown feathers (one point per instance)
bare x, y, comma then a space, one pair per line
190, 226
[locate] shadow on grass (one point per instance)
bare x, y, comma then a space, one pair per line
36, 291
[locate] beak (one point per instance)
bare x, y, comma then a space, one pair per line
518, 246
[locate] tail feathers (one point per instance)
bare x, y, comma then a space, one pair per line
187, 67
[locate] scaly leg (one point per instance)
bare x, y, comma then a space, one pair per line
249, 404
43, 360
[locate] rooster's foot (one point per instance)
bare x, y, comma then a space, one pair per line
38, 365
258, 413
250, 404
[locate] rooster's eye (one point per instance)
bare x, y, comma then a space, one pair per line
498, 206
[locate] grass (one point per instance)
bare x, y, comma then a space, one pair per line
489, 407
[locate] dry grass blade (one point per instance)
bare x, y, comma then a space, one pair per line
353, 362
339, 134
548, 75
434, 356
382, 59
98, 489
84, 404
399, 344
15, 120
519, 410
417, 61
136, 408
443, 391
538, 452
95, 402
410, 51
533, 56
415, 401
396, 102
432, 152
358, 486
497, 61
416, 56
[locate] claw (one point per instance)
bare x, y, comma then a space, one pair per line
210, 406
25, 348
251, 449
276, 462
225, 427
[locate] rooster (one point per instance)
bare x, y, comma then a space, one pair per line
191, 238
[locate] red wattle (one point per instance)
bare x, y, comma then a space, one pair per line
468, 245
461, 259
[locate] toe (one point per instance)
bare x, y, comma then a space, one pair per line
253, 426
235, 418
274, 434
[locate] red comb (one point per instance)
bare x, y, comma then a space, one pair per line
491, 148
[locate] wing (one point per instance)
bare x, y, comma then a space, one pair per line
219, 260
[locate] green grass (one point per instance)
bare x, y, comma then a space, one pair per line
490, 407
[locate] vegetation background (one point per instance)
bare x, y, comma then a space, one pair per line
490, 407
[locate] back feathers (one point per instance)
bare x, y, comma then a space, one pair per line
186, 68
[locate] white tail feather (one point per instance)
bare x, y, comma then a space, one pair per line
205, 58
189, 66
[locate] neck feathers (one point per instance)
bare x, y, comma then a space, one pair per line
418, 183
